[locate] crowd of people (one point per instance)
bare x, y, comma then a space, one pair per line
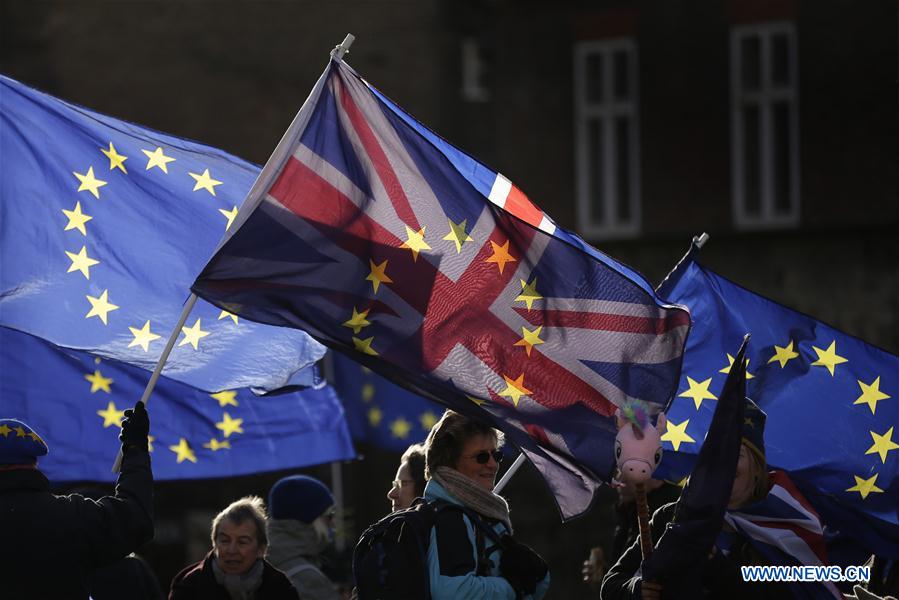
448, 532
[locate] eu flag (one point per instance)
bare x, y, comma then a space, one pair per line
378, 411
832, 401
104, 226
386, 243
76, 402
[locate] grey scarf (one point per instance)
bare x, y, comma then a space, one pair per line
472, 495
239, 587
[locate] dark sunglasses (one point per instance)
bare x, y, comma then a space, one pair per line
483, 457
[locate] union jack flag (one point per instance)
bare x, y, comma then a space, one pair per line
384, 242
786, 530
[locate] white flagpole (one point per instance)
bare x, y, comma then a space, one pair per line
268, 171
117, 466
508, 474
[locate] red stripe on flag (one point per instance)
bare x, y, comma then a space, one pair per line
519, 205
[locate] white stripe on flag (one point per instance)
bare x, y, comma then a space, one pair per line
500, 190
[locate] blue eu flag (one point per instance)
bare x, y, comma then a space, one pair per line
380, 412
76, 402
105, 224
832, 401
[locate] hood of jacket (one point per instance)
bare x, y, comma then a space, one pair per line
289, 539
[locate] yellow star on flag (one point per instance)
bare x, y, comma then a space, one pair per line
182, 449
882, 444
100, 307
368, 392
478, 401
229, 425
150, 440
5, 430
515, 389
500, 255
157, 158
865, 486
98, 382
81, 262
530, 339
698, 391
215, 445
871, 394
457, 235
364, 346
374, 416
142, 337
783, 355
529, 292
230, 215
225, 398
116, 160
20, 432
378, 275
428, 420
828, 358
225, 315
676, 434
35, 437
400, 428
730, 363
357, 321
111, 416
204, 182
89, 183
193, 335
415, 241
76, 218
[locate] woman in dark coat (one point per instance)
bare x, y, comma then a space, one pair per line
235, 568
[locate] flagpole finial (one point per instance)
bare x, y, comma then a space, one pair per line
700, 240
342, 48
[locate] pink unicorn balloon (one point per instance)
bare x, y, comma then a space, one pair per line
638, 451
638, 445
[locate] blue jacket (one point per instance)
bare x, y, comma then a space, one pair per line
452, 557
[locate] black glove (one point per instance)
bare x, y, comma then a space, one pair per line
135, 427
521, 567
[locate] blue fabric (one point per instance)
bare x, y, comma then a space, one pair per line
829, 398
76, 401
19, 443
469, 586
429, 283
151, 231
380, 412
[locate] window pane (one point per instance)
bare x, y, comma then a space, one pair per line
593, 65
781, 158
623, 168
622, 77
595, 174
750, 66
780, 59
751, 165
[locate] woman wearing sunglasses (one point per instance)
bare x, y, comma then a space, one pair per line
471, 552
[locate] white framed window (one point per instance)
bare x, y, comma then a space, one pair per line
607, 138
764, 125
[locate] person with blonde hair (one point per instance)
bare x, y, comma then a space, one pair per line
234, 568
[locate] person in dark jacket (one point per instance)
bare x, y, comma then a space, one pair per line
721, 576
53, 544
235, 568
